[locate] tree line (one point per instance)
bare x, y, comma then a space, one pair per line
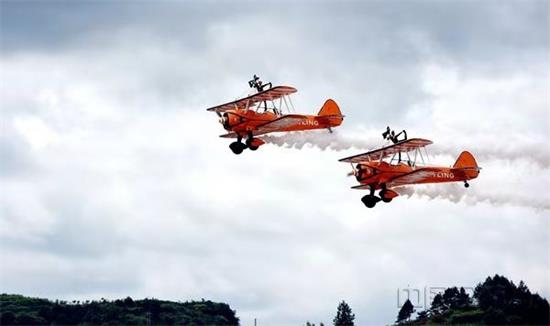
21, 310
496, 301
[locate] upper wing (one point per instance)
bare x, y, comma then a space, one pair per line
267, 95
402, 146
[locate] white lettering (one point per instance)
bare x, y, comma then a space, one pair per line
309, 123
444, 175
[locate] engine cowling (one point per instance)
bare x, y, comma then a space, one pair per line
229, 120
364, 171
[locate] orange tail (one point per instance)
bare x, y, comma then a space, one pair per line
330, 114
467, 163
465, 160
330, 108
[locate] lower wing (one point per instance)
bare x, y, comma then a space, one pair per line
409, 178
235, 135
280, 124
403, 179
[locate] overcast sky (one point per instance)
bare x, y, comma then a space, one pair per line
115, 183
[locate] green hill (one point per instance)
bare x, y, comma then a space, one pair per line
21, 310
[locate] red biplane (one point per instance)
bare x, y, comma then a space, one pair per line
396, 165
262, 113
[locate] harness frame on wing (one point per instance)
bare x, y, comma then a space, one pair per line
405, 146
254, 101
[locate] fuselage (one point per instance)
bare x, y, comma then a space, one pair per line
242, 121
378, 173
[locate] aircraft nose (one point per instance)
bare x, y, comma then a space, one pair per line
362, 172
224, 120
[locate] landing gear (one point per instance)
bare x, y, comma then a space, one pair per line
250, 142
237, 147
383, 196
466, 184
370, 200
253, 143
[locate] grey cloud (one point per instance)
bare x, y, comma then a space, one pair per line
142, 198
369, 56
62, 25
466, 30
16, 156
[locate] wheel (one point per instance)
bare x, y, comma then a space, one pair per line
237, 147
466, 184
253, 148
384, 198
369, 201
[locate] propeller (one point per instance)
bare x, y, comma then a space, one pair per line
224, 120
353, 172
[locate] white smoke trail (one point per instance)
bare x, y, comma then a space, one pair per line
456, 193
535, 153
321, 139
499, 163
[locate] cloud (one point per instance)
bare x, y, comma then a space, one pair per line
118, 183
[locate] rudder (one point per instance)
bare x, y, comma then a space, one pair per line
465, 160
329, 108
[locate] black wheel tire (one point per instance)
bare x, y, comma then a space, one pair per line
466, 184
253, 148
369, 201
384, 198
237, 147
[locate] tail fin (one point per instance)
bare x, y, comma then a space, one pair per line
465, 160
466, 163
330, 108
